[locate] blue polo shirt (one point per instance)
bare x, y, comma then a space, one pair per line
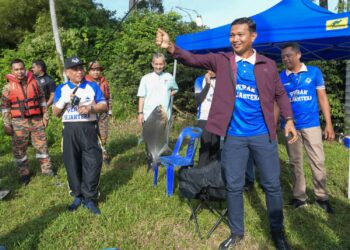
247, 118
302, 92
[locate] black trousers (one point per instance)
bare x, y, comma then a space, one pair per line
210, 146
82, 157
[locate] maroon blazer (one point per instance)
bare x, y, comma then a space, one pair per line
224, 65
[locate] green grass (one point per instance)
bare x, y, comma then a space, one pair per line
135, 215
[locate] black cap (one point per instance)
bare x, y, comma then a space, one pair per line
72, 62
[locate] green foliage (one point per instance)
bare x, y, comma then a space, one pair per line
334, 75
151, 5
5, 145
22, 16
130, 54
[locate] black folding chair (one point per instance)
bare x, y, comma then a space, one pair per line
204, 188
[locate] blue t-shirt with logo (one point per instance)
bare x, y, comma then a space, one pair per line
302, 92
247, 118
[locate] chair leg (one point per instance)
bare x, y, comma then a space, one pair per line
170, 180
196, 210
155, 175
194, 217
222, 217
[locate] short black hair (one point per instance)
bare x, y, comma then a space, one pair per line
40, 63
295, 46
245, 20
16, 61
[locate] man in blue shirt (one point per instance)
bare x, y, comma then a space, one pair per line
78, 101
306, 89
247, 87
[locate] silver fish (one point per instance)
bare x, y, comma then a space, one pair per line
155, 133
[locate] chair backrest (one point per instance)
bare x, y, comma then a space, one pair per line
193, 134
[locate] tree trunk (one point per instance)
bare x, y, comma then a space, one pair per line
57, 37
131, 4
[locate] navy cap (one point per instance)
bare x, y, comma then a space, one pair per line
72, 62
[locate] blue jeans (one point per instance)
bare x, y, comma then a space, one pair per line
250, 171
235, 155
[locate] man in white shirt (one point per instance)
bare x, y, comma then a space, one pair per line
155, 89
210, 143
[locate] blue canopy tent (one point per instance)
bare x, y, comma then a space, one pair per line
321, 34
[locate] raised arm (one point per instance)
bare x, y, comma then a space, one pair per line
204, 61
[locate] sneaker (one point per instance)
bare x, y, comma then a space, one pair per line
296, 203
231, 242
76, 203
25, 179
89, 204
279, 240
325, 206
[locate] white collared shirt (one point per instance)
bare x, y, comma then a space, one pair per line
251, 59
303, 68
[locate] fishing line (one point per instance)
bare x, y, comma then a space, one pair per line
104, 45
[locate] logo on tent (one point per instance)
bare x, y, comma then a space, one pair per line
337, 24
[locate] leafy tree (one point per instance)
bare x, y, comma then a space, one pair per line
151, 5
128, 57
21, 16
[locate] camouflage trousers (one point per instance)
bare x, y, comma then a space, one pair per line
103, 128
25, 129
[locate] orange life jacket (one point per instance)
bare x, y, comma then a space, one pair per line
104, 86
24, 103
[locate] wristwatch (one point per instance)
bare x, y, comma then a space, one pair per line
140, 113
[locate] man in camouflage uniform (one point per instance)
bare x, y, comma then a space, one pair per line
95, 75
25, 116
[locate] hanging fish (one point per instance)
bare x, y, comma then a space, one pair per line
155, 133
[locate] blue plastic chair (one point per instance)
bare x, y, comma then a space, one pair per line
193, 134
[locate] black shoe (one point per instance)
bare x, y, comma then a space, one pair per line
25, 179
297, 203
231, 241
325, 206
279, 240
249, 186
90, 204
76, 203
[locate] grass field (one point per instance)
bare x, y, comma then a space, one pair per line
135, 215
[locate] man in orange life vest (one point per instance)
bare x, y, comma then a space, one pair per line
95, 75
25, 116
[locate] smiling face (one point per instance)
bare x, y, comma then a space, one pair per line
18, 70
95, 73
291, 58
241, 39
158, 65
75, 74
